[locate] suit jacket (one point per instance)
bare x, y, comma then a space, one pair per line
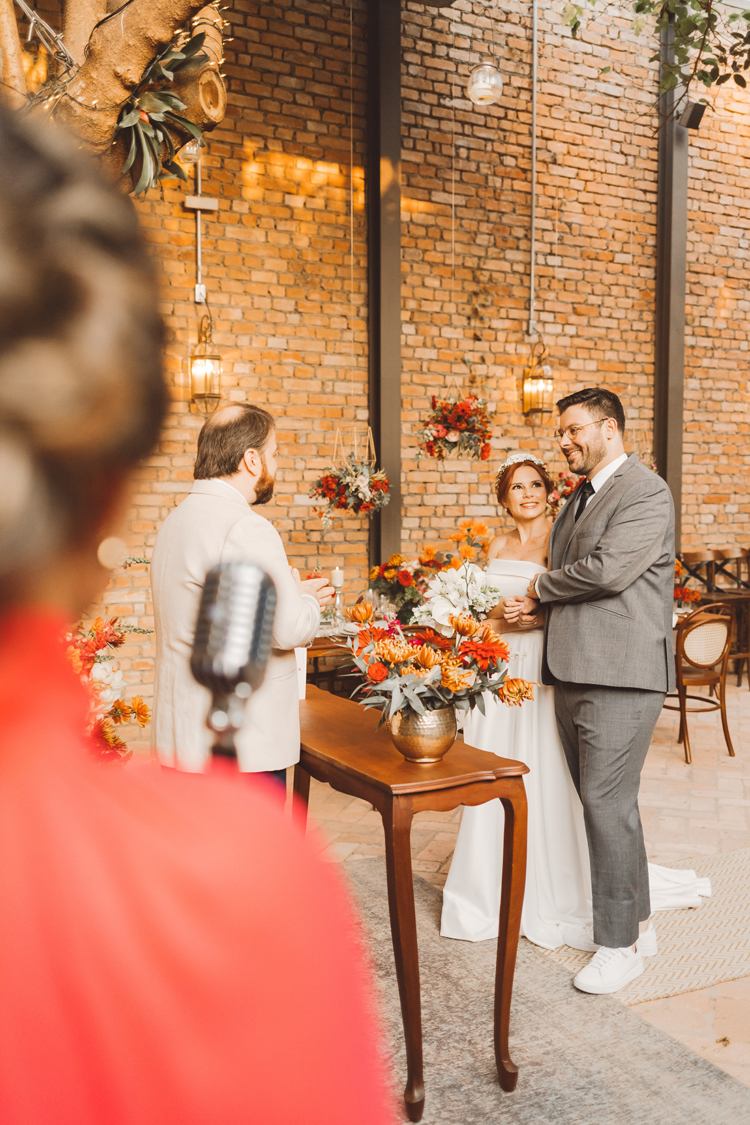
609, 586
215, 524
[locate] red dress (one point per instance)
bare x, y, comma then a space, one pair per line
171, 951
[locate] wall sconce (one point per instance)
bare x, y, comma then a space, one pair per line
485, 85
538, 384
205, 370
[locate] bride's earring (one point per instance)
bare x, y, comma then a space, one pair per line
112, 552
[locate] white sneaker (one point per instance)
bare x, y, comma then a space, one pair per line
647, 944
579, 937
609, 970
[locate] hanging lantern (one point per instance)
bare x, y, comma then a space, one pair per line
485, 85
538, 384
205, 371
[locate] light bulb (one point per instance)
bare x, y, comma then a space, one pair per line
190, 153
485, 85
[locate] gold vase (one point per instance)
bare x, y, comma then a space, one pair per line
424, 738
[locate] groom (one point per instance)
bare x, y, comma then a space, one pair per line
608, 652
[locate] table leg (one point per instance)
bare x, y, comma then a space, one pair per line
511, 902
300, 796
397, 820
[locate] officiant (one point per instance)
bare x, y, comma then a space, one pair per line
218, 522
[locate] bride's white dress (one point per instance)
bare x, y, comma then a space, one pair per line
558, 880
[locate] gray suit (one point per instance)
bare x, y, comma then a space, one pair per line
608, 651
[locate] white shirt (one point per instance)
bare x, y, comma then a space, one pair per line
604, 474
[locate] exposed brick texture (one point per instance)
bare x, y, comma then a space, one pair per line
292, 327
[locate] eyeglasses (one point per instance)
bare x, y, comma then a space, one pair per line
573, 431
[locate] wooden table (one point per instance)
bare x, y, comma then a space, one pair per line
340, 746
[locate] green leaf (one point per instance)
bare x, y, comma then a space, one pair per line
129, 119
188, 126
133, 150
605, 70
146, 178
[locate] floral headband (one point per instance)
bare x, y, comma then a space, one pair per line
514, 459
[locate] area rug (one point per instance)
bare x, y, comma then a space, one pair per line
697, 948
584, 1060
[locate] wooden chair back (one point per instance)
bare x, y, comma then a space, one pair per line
703, 645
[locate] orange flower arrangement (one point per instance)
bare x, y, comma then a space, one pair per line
87, 652
426, 671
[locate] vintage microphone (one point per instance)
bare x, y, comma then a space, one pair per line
232, 644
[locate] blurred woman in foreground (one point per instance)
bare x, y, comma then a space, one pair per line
170, 949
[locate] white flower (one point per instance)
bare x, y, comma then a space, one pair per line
109, 680
466, 590
452, 435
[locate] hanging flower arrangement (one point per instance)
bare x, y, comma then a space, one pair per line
354, 486
456, 428
90, 655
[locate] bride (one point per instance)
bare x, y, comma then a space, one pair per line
557, 903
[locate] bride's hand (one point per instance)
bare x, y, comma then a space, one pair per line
512, 609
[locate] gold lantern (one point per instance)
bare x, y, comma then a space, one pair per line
205, 371
538, 384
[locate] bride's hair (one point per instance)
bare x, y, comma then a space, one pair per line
505, 477
82, 393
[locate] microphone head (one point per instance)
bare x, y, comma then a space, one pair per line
233, 632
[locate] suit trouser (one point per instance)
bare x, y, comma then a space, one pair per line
606, 733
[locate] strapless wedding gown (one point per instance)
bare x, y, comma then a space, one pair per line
558, 877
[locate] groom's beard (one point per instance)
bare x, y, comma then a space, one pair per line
264, 487
588, 458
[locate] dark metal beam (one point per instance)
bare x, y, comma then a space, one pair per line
671, 270
383, 185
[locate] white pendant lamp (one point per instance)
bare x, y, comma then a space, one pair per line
485, 85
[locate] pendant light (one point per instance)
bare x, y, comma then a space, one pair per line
205, 371
485, 85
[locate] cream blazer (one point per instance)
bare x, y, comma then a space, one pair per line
215, 524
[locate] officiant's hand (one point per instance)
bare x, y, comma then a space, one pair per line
319, 588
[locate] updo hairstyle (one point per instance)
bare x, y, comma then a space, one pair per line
505, 479
82, 394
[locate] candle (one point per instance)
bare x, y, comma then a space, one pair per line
337, 578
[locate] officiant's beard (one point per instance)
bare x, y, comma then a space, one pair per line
264, 487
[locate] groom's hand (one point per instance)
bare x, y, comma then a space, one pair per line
531, 591
529, 606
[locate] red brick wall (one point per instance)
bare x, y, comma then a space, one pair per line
277, 266
716, 463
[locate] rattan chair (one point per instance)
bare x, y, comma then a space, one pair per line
704, 640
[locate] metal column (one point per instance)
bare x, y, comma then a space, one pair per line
384, 260
671, 269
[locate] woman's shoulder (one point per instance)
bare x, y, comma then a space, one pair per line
499, 544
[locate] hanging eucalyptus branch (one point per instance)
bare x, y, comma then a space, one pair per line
703, 48
152, 107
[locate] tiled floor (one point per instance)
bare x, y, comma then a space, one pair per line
701, 809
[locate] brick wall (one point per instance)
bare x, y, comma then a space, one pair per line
292, 328
716, 463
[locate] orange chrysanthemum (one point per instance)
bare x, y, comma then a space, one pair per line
464, 624
120, 712
467, 552
428, 657
361, 613
514, 692
141, 713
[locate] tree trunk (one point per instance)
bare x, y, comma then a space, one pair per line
11, 64
118, 53
79, 20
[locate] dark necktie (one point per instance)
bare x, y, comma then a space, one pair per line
584, 491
